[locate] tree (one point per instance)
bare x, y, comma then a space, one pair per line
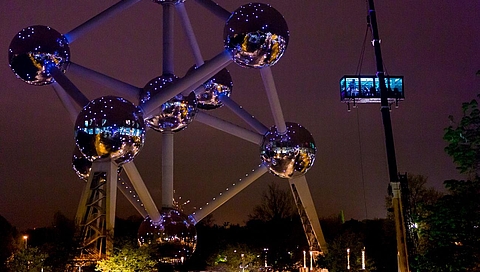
276, 204
464, 139
236, 257
450, 231
128, 258
31, 259
7, 241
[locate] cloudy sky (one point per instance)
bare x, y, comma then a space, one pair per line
434, 46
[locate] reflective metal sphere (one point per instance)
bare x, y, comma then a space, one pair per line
290, 154
81, 165
174, 237
174, 114
110, 127
33, 50
256, 34
208, 94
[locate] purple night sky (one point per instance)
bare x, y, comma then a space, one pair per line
434, 46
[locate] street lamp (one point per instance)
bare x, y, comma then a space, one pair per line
25, 239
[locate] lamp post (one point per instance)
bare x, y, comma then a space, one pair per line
311, 260
348, 259
25, 239
304, 259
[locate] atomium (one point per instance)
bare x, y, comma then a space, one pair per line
112, 129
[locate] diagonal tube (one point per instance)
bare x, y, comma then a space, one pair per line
216, 9
229, 193
142, 191
273, 99
190, 81
69, 87
66, 101
107, 81
228, 127
126, 188
243, 114
187, 27
103, 16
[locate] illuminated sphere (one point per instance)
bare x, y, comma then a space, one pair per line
174, 237
110, 127
81, 165
34, 50
174, 114
256, 34
209, 93
290, 154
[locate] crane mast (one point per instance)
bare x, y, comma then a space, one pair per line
390, 147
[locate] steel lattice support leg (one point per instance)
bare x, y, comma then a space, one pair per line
95, 219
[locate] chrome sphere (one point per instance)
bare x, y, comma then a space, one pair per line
110, 127
81, 165
256, 34
34, 50
149, 232
290, 154
174, 114
208, 94
175, 237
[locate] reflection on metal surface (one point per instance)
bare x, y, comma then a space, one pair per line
290, 154
33, 50
81, 165
256, 34
174, 114
208, 95
174, 237
110, 127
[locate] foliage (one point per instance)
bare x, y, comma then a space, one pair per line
238, 257
276, 204
450, 231
7, 241
371, 235
28, 260
464, 139
128, 258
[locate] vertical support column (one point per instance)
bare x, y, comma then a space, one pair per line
167, 169
168, 53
